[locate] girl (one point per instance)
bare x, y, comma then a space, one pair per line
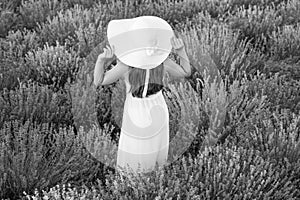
144, 138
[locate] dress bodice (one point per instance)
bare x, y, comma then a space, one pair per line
147, 93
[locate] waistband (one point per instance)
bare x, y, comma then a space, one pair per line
150, 97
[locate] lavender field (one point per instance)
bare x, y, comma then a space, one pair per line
48, 50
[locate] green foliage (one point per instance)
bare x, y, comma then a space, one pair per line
281, 92
89, 37
20, 42
172, 11
27, 163
242, 98
271, 126
290, 12
63, 26
289, 68
248, 3
7, 21
19, 14
77, 20
35, 103
285, 43
255, 21
217, 51
258, 22
53, 65
12, 52
34, 12
274, 134
231, 172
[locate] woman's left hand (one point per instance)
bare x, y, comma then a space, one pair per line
108, 54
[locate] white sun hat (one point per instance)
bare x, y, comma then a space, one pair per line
142, 42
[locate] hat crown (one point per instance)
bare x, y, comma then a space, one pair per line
140, 23
140, 32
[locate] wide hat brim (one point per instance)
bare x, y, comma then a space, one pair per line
141, 42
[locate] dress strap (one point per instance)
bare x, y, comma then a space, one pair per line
146, 83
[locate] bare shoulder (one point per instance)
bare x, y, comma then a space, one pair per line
168, 63
123, 68
117, 72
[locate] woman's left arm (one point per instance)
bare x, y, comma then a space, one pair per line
99, 71
114, 74
108, 54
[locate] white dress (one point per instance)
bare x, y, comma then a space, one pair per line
144, 138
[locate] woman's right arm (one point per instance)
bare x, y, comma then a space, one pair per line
184, 61
175, 70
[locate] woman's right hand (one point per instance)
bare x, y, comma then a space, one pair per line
108, 54
177, 43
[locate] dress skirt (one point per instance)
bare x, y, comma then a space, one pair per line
144, 138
